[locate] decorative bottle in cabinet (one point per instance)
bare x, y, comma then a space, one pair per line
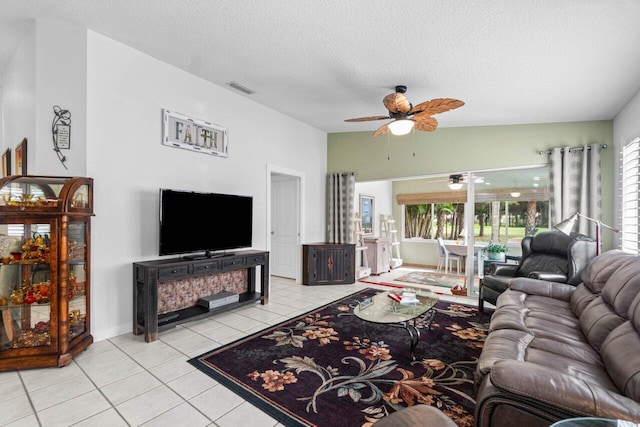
44, 275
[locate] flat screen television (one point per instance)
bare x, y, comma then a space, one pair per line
193, 222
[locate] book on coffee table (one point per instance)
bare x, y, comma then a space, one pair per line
408, 298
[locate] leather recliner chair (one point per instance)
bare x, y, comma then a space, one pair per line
550, 255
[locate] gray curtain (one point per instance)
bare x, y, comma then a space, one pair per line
575, 185
341, 188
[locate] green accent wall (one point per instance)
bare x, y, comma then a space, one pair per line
473, 148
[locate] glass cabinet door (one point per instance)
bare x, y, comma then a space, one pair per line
76, 288
26, 285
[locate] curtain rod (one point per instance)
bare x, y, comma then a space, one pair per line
571, 149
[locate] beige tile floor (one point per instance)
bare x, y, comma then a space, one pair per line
124, 381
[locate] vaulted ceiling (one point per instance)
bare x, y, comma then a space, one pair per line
324, 61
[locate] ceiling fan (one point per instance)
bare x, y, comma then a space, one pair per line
406, 116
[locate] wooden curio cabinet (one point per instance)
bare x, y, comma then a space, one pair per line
44, 270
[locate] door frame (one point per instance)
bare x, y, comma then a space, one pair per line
300, 176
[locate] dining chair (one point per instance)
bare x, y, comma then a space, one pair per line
447, 258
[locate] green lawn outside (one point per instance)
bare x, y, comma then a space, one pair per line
516, 233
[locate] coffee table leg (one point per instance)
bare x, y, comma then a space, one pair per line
414, 332
414, 335
428, 317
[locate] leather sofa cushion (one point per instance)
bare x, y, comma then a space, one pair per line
504, 344
598, 271
564, 364
623, 286
595, 276
575, 350
622, 359
620, 353
581, 298
534, 287
541, 388
549, 263
563, 354
611, 308
598, 320
552, 243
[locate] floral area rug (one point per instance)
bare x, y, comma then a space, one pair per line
432, 279
328, 368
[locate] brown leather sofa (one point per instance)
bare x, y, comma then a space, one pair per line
556, 351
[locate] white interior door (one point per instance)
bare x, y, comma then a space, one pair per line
284, 225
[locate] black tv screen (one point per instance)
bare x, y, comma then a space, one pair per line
195, 222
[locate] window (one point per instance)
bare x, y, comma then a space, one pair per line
509, 221
429, 221
512, 220
630, 185
509, 204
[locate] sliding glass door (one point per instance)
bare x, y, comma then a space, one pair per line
466, 211
507, 206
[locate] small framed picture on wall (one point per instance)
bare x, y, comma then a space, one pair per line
21, 158
6, 162
367, 213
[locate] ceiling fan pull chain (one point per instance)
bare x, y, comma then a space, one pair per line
414, 142
388, 147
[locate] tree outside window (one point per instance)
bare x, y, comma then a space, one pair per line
498, 221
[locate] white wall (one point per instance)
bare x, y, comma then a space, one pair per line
626, 127
383, 193
61, 79
127, 91
47, 69
1, 119
19, 97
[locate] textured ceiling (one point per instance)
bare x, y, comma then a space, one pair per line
324, 61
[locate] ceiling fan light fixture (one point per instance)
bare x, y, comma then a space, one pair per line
515, 194
455, 182
401, 127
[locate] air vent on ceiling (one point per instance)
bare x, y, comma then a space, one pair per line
241, 88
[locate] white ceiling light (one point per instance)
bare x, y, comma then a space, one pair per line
479, 180
401, 127
455, 182
515, 194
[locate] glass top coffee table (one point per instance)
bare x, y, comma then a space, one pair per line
384, 310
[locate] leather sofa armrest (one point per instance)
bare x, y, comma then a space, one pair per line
548, 389
544, 288
552, 277
503, 269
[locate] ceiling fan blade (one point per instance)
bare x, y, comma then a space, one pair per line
381, 130
396, 103
435, 106
426, 124
366, 119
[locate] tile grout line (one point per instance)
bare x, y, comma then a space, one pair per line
33, 408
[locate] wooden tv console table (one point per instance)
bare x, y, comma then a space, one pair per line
148, 274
